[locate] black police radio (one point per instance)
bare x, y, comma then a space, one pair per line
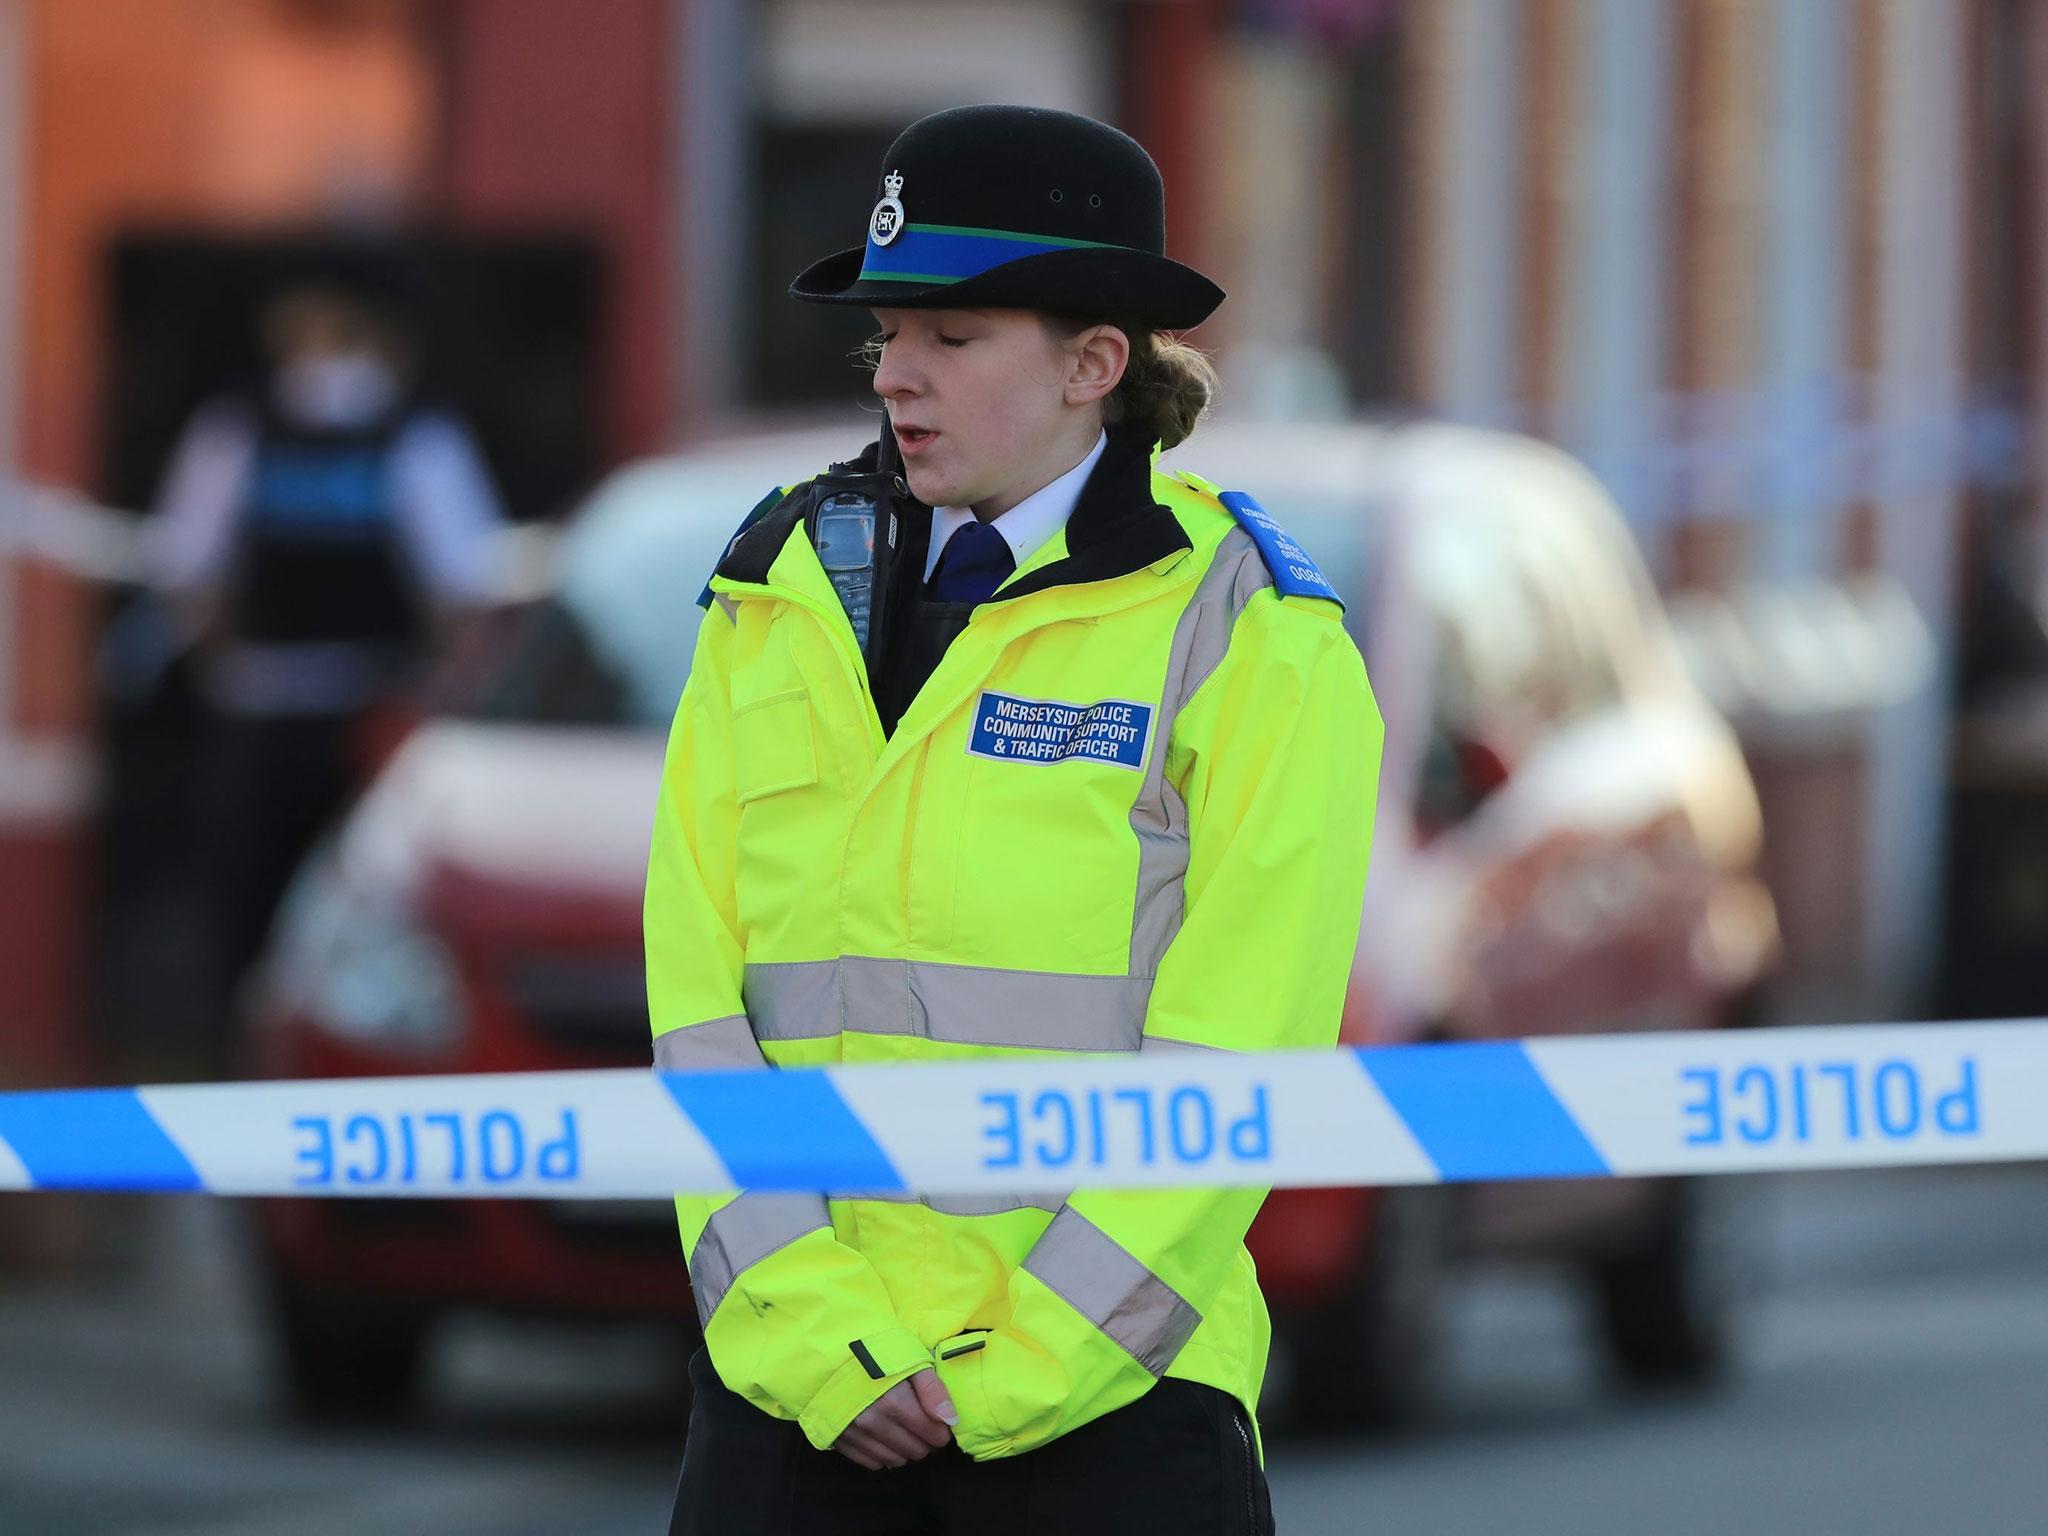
855, 520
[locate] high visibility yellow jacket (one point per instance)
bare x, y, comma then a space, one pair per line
1130, 811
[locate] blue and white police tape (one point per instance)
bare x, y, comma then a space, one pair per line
1721, 1102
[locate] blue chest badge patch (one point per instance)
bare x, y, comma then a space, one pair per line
1294, 574
1047, 731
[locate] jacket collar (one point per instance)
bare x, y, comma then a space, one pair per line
1115, 528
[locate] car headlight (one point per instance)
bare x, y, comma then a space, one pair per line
358, 965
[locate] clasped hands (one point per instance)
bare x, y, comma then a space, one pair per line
905, 1424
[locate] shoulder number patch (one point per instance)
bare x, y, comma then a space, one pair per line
1047, 731
1293, 572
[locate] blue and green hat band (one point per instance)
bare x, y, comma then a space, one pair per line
948, 253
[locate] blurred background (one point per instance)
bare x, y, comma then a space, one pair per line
379, 379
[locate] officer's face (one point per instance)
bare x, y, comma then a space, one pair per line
983, 402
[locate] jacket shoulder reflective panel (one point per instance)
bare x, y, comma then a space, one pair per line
1124, 813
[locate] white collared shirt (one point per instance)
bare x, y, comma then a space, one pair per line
1027, 525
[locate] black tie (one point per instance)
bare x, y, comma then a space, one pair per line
973, 564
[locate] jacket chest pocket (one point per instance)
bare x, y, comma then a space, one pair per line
774, 748
775, 778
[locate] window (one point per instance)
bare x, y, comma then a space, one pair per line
818, 187
836, 84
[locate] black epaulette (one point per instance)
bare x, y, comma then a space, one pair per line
759, 517
763, 531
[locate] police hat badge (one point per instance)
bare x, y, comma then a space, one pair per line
886, 222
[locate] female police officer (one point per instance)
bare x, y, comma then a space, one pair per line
1074, 755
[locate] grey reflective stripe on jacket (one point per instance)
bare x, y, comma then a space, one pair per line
1098, 1277
741, 1235
1159, 817
969, 1205
958, 1004
726, 1042
792, 999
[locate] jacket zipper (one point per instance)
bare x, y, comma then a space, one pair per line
910, 836
1244, 1435
855, 668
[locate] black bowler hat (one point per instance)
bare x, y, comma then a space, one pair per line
1017, 208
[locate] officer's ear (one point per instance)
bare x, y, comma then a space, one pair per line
1097, 357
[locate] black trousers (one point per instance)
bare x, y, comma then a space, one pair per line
271, 786
1178, 1460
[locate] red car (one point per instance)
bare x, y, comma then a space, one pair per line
1566, 843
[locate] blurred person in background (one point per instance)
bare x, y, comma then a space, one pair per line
999, 738
316, 533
